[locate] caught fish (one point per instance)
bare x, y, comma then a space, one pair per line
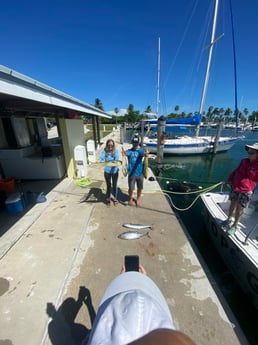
137, 226
124, 165
108, 164
132, 235
113, 163
145, 167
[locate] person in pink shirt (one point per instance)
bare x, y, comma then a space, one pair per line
243, 182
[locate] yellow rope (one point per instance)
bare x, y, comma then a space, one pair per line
85, 182
201, 191
197, 191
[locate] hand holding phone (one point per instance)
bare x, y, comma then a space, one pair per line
132, 263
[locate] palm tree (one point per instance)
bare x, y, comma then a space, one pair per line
215, 111
209, 113
227, 113
177, 108
221, 111
98, 104
148, 109
132, 115
210, 110
116, 111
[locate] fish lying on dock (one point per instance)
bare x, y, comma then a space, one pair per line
132, 235
137, 226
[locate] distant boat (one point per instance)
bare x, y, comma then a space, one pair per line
187, 145
193, 145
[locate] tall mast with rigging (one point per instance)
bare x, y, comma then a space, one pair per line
158, 83
235, 75
207, 74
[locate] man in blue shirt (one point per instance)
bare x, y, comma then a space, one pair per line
135, 169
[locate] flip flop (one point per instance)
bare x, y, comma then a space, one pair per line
115, 202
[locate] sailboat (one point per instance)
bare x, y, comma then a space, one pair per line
192, 145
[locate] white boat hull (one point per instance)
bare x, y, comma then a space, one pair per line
186, 145
239, 251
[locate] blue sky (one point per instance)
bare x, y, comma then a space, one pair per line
107, 49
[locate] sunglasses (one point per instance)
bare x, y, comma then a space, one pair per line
251, 152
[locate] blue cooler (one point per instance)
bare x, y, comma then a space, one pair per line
14, 203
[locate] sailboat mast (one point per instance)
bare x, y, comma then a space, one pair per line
158, 83
235, 75
205, 85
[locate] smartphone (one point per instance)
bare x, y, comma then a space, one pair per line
132, 263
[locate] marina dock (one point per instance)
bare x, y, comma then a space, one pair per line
71, 241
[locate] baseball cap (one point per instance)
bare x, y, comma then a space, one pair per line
135, 140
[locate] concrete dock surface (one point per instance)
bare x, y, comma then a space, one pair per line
58, 259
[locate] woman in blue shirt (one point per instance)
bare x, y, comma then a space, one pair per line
110, 153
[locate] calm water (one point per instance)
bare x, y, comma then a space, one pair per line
205, 171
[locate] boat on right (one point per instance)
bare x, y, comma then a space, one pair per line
238, 251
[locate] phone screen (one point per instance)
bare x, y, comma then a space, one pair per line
131, 263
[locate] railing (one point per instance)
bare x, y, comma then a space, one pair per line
249, 233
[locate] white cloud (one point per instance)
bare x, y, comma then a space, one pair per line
121, 112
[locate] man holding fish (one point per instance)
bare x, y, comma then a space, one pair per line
135, 169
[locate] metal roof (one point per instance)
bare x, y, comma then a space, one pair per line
19, 93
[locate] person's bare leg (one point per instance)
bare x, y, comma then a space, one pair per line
232, 208
139, 193
130, 193
238, 215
